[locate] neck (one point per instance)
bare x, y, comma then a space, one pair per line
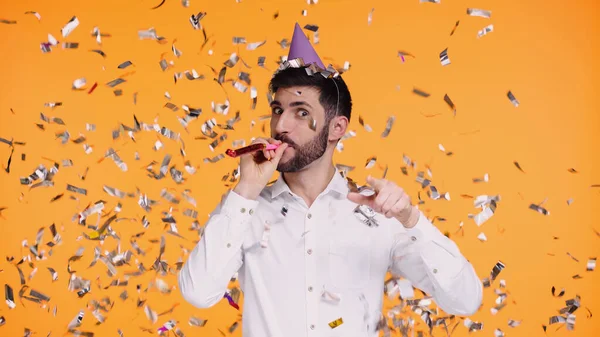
309, 182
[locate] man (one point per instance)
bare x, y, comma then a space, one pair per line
312, 256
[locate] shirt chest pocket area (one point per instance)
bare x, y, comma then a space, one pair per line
350, 261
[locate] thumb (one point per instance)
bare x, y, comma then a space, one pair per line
361, 199
375, 183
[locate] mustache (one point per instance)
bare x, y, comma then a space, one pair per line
285, 139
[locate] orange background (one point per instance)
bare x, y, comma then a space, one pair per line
545, 52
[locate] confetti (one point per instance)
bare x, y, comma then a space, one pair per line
444, 59
420, 92
388, 126
159, 5
334, 324
454, 28
591, 264
518, 166
485, 31
479, 12
69, 27
512, 99
450, 104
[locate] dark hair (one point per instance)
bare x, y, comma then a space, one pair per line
292, 77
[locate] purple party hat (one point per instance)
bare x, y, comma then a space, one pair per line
301, 48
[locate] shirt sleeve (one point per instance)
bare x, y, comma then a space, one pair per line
434, 264
204, 277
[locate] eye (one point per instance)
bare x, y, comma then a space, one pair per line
302, 113
276, 110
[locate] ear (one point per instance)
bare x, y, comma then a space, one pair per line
337, 127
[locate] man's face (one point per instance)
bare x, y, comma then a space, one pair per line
292, 113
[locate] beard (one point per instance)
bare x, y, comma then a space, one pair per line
304, 154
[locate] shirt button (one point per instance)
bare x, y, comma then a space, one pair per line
243, 210
309, 251
435, 271
228, 245
312, 326
251, 211
310, 288
413, 238
309, 215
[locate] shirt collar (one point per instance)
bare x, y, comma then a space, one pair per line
337, 184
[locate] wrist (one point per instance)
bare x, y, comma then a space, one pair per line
247, 190
411, 220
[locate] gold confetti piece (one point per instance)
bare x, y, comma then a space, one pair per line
573, 257
479, 12
160, 4
420, 92
8, 22
334, 324
577, 277
512, 99
233, 327
98, 51
518, 166
454, 29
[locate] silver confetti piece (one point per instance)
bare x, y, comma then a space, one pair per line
150, 314
388, 126
444, 59
479, 12
255, 45
115, 82
591, 264
485, 31
232, 61
70, 26
512, 99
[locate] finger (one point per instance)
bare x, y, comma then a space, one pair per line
361, 199
392, 200
278, 153
402, 205
377, 184
381, 199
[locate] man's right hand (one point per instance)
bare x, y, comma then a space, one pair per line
257, 168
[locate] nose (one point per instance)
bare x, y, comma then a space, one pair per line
283, 123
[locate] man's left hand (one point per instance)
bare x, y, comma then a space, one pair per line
389, 200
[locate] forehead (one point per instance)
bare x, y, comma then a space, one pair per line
298, 93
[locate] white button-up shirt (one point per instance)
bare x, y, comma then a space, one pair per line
301, 268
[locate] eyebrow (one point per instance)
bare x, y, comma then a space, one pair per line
292, 104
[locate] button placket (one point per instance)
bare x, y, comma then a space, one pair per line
312, 300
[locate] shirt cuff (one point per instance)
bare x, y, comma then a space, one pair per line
423, 231
239, 210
